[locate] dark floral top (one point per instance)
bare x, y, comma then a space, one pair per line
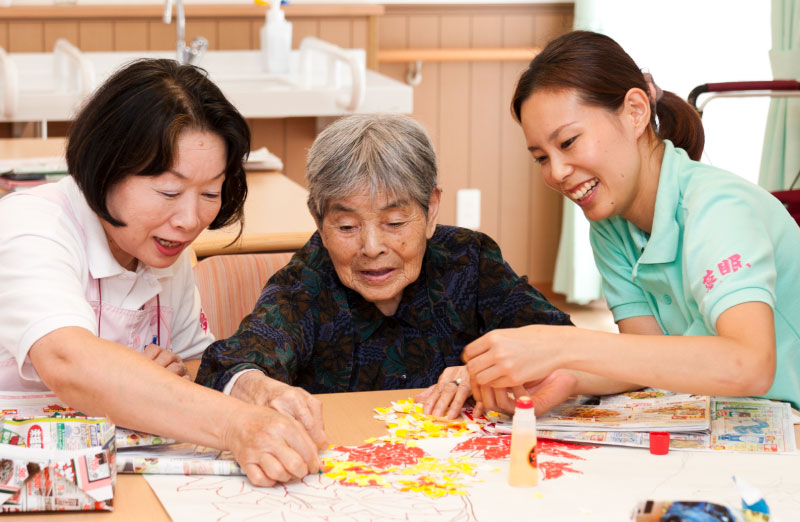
309, 330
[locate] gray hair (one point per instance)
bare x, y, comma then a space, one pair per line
387, 153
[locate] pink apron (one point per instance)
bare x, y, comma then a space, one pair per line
132, 328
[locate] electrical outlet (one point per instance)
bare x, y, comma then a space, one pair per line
468, 208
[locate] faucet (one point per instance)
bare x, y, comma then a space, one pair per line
186, 54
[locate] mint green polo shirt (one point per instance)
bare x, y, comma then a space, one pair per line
717, 241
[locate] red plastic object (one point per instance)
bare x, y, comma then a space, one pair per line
790, 200
659, 442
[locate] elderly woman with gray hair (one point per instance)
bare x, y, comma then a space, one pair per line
380, 297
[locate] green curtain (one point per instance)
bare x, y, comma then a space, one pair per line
780, 160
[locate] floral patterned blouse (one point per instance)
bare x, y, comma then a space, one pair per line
309, 330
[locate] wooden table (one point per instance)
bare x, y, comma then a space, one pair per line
276, 217
348, 420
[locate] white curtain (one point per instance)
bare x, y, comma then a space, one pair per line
682, 43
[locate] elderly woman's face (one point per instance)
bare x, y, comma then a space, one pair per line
377, 244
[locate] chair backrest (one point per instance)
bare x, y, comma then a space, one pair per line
230, 284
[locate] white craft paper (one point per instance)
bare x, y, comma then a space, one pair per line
607, 486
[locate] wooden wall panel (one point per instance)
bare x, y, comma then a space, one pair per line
517, 227
53, 30
465, 107
453, 128
204, 27
162, 36
359, 33
131, 36
303, 28
96, 35
483, 146
299, 135
25, 37
4, 35
235, 34
337, 31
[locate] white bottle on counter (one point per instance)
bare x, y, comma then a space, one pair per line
276, 40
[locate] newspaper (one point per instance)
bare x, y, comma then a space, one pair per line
56, 464
644, 410
137, 452
180, 458
739, 424
47, 404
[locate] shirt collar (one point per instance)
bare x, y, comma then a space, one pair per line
101, 261
662, 246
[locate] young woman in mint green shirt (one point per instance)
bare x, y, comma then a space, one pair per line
701, 268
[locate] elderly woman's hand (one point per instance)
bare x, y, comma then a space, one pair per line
256, 388
448, 395
270, 447
167, 359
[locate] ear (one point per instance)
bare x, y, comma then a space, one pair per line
433, 212
636, 110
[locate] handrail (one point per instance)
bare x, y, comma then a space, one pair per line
478, 54
748, 89
415, 56
64, 50
10, 81
334, 54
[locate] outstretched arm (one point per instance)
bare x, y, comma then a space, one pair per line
739, 360
102, 378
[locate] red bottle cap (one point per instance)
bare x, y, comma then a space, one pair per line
524, 402
659, 442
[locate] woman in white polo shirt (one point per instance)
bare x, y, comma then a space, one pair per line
97, 297
700, 264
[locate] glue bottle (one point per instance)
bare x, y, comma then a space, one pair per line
276, 40
523, 470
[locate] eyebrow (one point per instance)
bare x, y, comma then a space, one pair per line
553, 135
338, 207
182, 176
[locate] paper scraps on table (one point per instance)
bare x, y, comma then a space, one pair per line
398, 465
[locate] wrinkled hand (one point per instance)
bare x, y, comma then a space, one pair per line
167, 359
256, 388
514, 356
269, 446
448, 395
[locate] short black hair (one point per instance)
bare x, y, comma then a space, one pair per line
130, 127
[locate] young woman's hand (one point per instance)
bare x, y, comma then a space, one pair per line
546, 394
447, 397
167, 359
515, 356
269, 446
256, 388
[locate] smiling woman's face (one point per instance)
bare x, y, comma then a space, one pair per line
587, 153
377, 244
165, 213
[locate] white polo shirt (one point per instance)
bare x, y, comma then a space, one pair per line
45, 268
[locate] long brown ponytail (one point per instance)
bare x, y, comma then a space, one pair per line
602, 72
